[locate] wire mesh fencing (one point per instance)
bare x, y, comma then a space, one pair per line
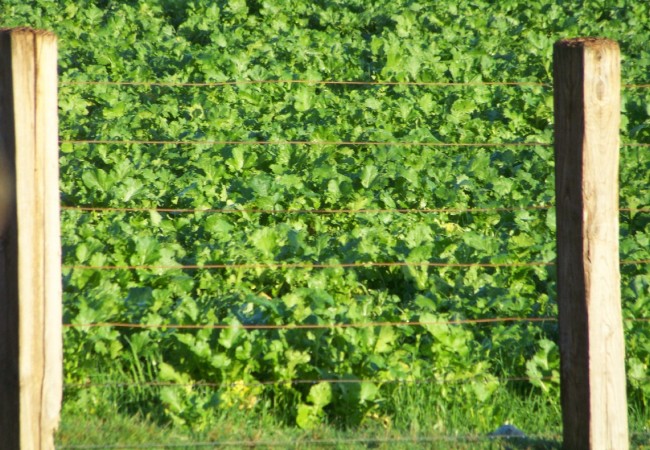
225, 270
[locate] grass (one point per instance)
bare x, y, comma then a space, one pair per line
133, 433
420, 422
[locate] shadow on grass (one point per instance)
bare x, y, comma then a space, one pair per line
526, 443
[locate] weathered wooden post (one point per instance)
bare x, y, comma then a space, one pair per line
586, 75
30, 250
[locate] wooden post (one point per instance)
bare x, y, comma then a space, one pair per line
30, 250
586, 75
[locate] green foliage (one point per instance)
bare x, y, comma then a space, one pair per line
208, 41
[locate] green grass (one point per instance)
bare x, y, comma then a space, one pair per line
421, 421
129, 432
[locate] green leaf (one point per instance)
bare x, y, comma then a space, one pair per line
97, 179
266, 240
115, 111
308, 416
550, 220
238, 159
368, 392
637, 371
129, 188
320, 394
463, 107
303, 100
372, 103
228, 336
430, 324
385, 339
218, 225
368, 175
82, 252
522, 240
426, 103
147, 251
171, 398
167, 373
484, 388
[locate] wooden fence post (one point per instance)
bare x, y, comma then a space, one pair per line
30, 251
586, 75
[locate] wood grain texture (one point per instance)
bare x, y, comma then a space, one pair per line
587, 118
31, 255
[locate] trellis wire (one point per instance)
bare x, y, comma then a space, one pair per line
306, 265
315, 265
306, 143
313, 326
324, 265
368, 442
374, 441
324, 326
323, 143
636, 86
155, 384
322, 82
321, 211
313, 82
310, 211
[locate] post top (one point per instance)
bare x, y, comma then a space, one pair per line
25, 30
582, 42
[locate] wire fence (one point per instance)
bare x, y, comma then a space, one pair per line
321, 442
445, 379
327, 326
235, 210
546, 441
310, 143
323, 143
324, 82
318, 326
309, 265
239, 383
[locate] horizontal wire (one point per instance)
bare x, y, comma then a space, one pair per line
321, 82
317, 143
301, 441
637, 262
636, 210
635, 144
314, 143
308, 211
323, 265
313, 326
323, 326
322, 211
154, 384
298, 442
308, 265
